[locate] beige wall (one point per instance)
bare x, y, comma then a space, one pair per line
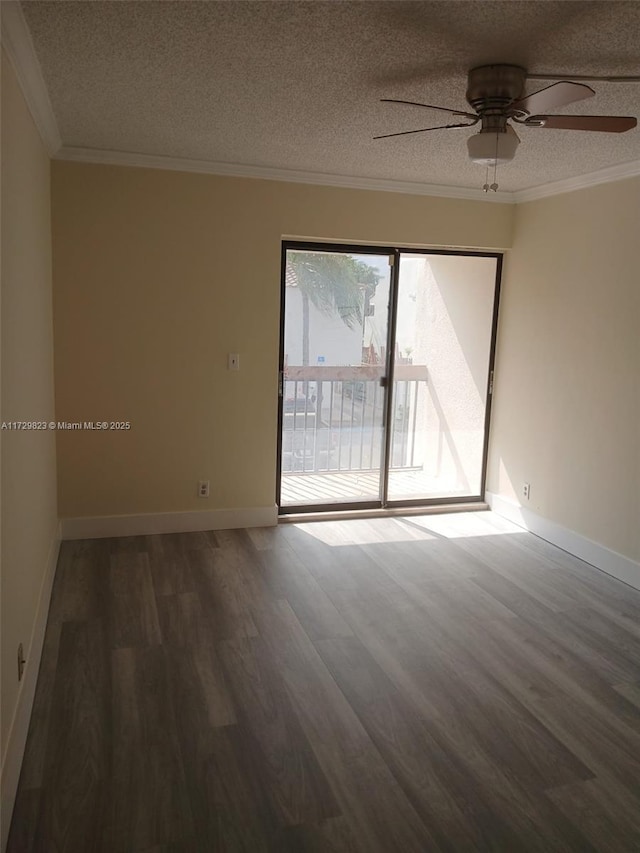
567, 402
29, 517
158, 275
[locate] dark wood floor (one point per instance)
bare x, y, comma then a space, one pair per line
421, 684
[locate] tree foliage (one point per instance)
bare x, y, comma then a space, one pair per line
334, 283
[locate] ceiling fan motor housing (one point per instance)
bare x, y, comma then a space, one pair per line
490, 91
491, 88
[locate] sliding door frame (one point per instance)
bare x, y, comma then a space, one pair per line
464, 499
394, 253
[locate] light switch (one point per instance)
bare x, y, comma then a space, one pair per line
234, 361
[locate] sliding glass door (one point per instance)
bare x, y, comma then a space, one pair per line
333, 376
386, 359
443, 353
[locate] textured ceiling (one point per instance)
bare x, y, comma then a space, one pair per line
296, 85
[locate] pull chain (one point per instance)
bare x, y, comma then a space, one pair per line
494, 186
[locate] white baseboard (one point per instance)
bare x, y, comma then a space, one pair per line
16, 742
603, 558
102, 527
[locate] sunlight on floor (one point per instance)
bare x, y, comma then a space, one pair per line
453, 525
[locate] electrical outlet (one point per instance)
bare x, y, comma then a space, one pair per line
203, 488
526, 490
21, 662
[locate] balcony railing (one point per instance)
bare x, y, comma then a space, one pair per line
333, 417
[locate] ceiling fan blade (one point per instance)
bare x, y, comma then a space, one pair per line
425, 129
429, 107
556, 95
606, 124
586, 77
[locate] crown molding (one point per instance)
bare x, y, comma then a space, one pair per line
602, 176
238, 170
17, 41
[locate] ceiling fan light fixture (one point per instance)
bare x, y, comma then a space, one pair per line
493, 148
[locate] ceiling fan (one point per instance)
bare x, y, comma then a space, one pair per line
495, 94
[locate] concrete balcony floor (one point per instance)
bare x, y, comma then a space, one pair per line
347, 486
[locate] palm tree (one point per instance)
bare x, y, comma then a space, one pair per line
334, 284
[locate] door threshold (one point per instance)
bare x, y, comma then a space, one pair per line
391, 512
